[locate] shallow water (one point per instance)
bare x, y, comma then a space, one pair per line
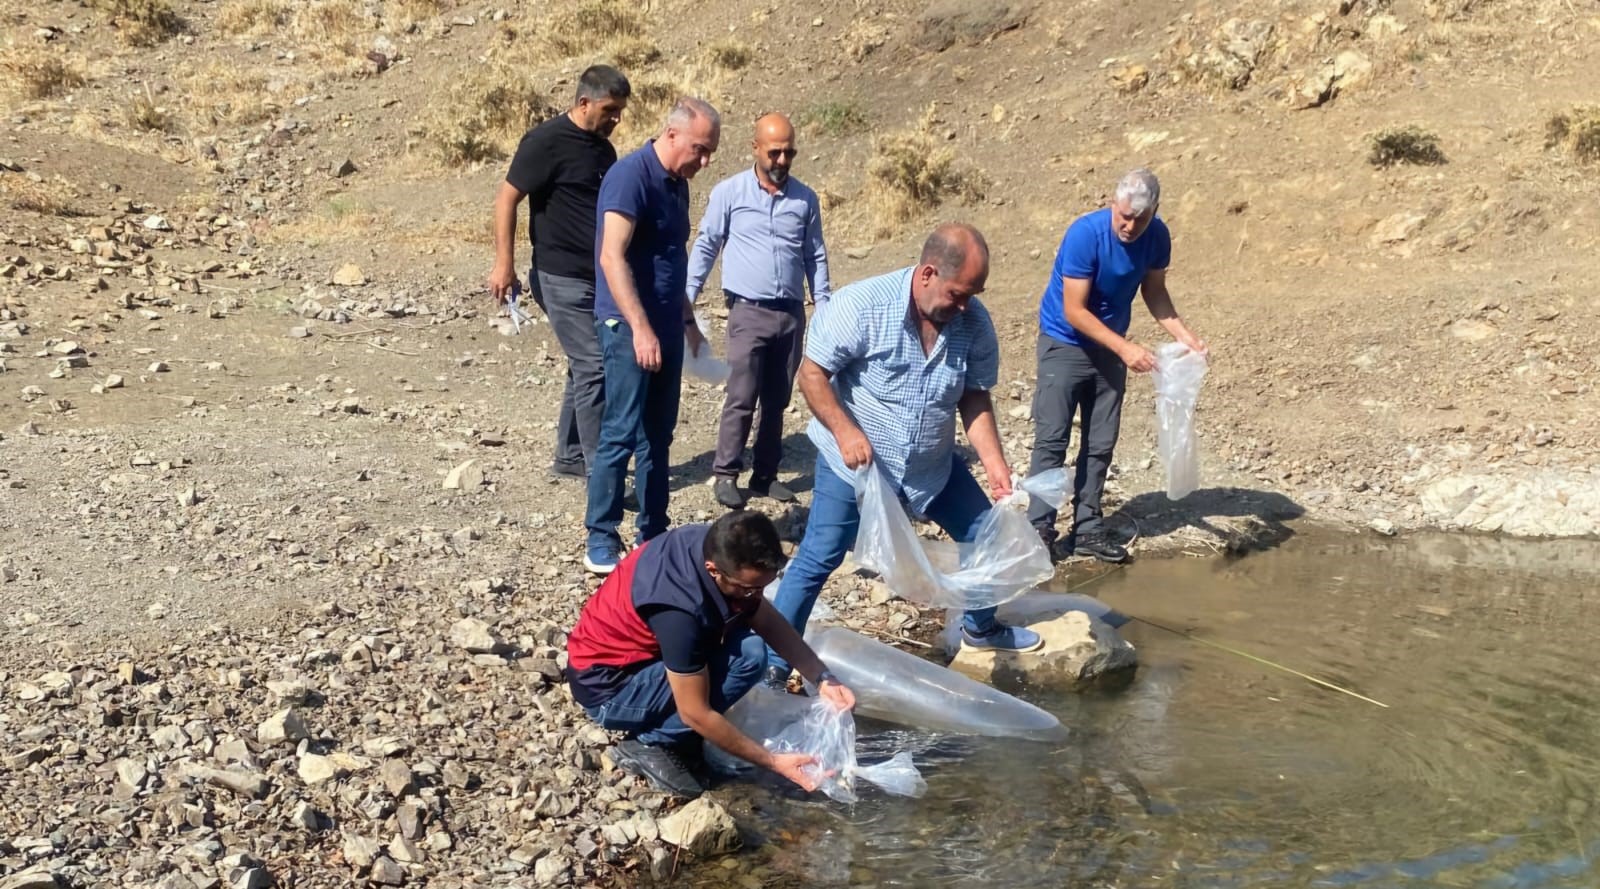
1213, 771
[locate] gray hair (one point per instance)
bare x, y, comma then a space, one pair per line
1140, 189
689, 109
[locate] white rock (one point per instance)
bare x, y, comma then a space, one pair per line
349, 275
157, 223
316, 769
464, 477
475, 636
283, 727
1078, 650
132, 773
703, 827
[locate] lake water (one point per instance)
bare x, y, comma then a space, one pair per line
1214, 771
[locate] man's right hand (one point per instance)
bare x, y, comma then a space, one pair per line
1137, 358
501, 277
792, 766
855, 449
646, 348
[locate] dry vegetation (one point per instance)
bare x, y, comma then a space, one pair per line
576, 30
141, 22
254, 17
910, 173
144, 113
485, 113
38, 73
833, 118
1577, 132
51, 197
219, 93
1404, 145
730, 55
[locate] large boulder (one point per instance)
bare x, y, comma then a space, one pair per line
1080, 652
702, 827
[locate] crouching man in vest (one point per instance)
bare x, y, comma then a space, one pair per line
676, 635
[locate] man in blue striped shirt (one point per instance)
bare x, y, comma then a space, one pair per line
768, 227
888, 367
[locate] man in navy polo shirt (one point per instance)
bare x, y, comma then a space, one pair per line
1106, 257
642, 315
677, 634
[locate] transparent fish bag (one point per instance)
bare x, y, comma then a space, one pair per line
704, 364
1178, 375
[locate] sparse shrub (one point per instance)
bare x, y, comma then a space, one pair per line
406, 13
144, 114
630, 52
240, 17
730, 55
141, 22
335, 25
1404, 145
575, 30
910, 173
52, 197
1577, 132
39, 73
484, 115
220, 93
833, 118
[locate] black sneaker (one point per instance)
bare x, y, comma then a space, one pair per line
630, 497
776, 678
1102, 548
568, 471
727, 493
665, 768
771, 487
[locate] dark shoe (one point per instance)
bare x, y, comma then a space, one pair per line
665, 768
1002, 638
727, 493
601, 560
568, 471
1102, 548
630, 498
773, 488
776, 678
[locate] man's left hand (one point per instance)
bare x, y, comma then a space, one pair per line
834, 692
1195, 344
999, 481
697, 340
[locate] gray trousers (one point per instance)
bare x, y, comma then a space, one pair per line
765, 344
569, 304
1070, 378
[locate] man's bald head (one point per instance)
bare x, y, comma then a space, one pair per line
774, 149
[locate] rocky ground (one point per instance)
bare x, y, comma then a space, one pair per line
282, 581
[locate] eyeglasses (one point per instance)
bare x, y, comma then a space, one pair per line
786, 153
736, 589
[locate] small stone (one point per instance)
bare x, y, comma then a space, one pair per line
131, 774
298, 333
113, 382
349, 275
316, 769
464, 477
1383, 526
347, 168
703, 827
552, 870
34, 878
475, 636
456, 775
159, 367
360, 852
283, 727
405, 851
387, 872
189, 497
306, 817
250, 878
157, 223
397, 778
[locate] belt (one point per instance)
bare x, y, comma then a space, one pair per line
777, 305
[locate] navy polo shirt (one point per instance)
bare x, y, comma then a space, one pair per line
639, 188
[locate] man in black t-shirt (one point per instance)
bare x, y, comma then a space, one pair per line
558, 167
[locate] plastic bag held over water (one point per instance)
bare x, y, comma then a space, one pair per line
703, 364
829, 735
1178, 375
1005, 559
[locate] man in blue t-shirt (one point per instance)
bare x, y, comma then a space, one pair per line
1106, 257
641, 316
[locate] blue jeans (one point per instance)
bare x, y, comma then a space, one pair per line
831, 532
641, 411
644, 707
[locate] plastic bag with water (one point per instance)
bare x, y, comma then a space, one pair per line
829, 734
1005, 559
1178, 375
704, 364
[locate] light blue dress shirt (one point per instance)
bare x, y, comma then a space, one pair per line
771, 244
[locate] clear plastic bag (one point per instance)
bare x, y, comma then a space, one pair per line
829, 734
1005, 559
1178, 375
704, 364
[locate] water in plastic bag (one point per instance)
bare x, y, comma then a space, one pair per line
1178, 375
829, 734
704, 365
1005, 559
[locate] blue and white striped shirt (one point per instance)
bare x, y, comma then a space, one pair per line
904, 401
771, 244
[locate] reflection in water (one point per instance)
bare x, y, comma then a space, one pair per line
1212, 771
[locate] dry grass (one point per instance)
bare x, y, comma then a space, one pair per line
254, 17
1404, 145
1577, 132
576, 30
406, 14
910, 173
730, 55
141, 22
833, 118
51, 197
484, 114
37, 73
340, 219
219, 93
337, 26
630, 53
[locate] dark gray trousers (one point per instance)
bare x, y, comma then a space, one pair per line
765, 343
569, 304
1070, 378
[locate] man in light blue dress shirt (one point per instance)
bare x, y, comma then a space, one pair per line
768, 227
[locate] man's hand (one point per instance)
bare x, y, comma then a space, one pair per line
855, 449
501, 277
835, 693
646, 348
697, 340
1195, 344
1137, 358
792, 766
1000, 485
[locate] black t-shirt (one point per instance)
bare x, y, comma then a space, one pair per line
559, 166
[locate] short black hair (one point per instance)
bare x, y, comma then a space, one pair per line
744, 539
601, 82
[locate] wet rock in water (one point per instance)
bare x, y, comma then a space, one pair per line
703, 827
1079, 650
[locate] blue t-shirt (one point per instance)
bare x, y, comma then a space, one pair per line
639, 188
1090, 249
